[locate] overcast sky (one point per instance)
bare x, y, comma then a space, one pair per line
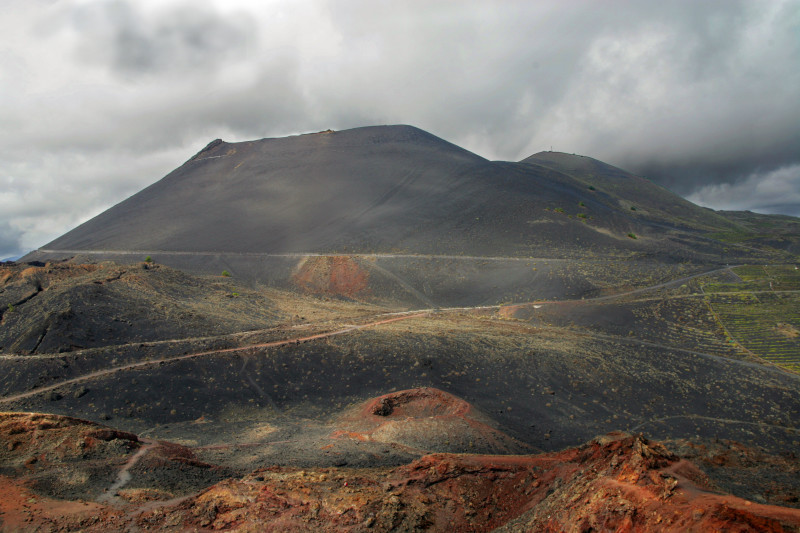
101, 98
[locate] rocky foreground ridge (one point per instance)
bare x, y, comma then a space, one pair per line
52, 467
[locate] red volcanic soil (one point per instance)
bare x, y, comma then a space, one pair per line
59, 473
49, 453
332, 276
426, 419
49, 273
32, 440
619, 483
24, 510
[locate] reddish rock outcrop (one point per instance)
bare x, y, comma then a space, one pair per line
332, 276
617, 483
426, 419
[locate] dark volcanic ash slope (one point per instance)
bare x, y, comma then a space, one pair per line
296, 194
62, 307
637, 196
388, 189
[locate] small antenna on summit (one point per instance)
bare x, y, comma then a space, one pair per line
551, 147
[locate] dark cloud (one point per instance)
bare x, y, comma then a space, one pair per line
686, 92
9, 241
777, 192
103, 97
175, 40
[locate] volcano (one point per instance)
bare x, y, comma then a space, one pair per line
390, 189
375, 329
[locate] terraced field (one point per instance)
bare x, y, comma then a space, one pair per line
759, 278
682, 323
784, 277
767, 324
762, 312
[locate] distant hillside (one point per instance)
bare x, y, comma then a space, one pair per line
400, 190
626, 191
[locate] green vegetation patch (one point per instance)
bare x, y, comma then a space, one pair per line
783, 277
735, 237
750, 272
765, 323
759, 278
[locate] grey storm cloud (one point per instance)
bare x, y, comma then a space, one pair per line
101, 98
9, 241
177, 40
777, 191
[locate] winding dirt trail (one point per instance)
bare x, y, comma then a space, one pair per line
124, 475
395, 317
311, 254
389, 317
664, 285
777, 427
642, 342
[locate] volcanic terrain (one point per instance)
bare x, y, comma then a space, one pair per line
375, 329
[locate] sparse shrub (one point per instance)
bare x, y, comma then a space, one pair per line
591, 188
148, 259
226, 274
53, 396
10, 307
633, 208
235, 294
581, 215
632, 235
559, 209
581, 204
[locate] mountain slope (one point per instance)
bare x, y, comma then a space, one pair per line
392, 189
305, 193
641, 197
